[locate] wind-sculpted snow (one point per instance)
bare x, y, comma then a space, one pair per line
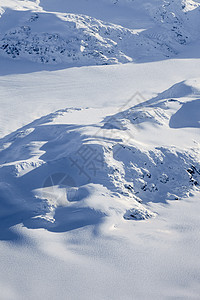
50, 169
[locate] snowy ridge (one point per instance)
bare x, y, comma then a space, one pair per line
82, 40
62, 164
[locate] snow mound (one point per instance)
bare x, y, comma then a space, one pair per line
58, 169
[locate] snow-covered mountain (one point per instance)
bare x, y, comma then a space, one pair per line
74, 39
62, 164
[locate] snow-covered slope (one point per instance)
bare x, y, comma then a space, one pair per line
99, 165
49, 37
71, 231
53, 163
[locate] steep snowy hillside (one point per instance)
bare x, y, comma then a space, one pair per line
49, 37
134, 157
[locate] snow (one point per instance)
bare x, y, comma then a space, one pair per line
79, 40
99, 165
187, 115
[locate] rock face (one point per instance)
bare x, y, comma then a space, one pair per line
78, 40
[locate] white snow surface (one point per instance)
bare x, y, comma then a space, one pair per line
99, 165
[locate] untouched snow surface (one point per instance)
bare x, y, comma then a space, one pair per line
99, 165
